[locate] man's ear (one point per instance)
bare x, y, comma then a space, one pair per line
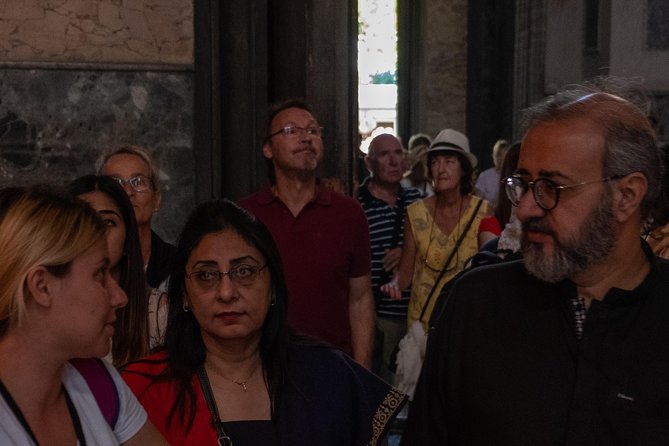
267, 150
40, 285
629, 193
368, 163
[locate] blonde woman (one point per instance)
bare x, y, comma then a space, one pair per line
58, 302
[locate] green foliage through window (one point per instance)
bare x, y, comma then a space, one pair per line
386, 77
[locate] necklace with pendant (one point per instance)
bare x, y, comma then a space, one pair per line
242, 384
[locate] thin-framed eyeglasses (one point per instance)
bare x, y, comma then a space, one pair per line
242, 274
138, 183
293, 130
546, 192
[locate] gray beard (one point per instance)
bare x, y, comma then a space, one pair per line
597, 236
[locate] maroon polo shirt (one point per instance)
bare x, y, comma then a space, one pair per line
323, 247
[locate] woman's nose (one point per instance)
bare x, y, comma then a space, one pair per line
226, 288
117, 296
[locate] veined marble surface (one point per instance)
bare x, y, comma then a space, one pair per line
55, 124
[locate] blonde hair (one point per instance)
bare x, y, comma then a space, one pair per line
39, 226
500, 144
138, 151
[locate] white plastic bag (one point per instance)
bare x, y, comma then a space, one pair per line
410, 359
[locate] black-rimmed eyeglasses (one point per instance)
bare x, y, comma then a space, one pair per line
546, 192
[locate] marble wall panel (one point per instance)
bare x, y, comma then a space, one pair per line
112, 31
55, 124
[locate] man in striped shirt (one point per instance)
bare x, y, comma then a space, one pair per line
384, 201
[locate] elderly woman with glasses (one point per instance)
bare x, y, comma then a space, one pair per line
231, 371
134, 169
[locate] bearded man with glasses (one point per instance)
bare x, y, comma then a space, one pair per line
567, 346
323, 236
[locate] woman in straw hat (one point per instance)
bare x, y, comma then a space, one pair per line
442, 233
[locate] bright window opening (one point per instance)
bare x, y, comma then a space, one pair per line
377, 69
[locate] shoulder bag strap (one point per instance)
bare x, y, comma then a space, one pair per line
102, 386
450, 257
223, 439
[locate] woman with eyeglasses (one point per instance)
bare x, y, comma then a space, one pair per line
140, 325
58, 304
134, 169
231, 371
444, 227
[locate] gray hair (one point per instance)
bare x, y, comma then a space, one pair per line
630, 142
138, 151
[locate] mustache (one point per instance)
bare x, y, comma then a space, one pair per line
537, 225
306, 147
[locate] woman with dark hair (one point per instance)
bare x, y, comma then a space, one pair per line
140, 324
443, 232
504, 208
229, 356
437, 223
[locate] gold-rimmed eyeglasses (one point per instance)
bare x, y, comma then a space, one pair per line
242, 274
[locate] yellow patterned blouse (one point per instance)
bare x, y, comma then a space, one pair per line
433, 248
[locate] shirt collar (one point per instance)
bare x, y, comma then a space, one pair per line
323, 196
618, 297
365, 194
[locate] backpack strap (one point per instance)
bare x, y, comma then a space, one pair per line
102, 386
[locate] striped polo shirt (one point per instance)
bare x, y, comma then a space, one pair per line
386, 229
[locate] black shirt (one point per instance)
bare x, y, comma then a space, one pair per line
160, 262
504, 365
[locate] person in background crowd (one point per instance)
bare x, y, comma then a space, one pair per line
505, 210
567, 346
58, 302
231, 371
509, 240
417, 175
658, 238
384, 201
436, 223
141, 323
133, 168
443, 232
419, 139
322, 236
487, 184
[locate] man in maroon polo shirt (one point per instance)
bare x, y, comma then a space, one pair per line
322, 235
